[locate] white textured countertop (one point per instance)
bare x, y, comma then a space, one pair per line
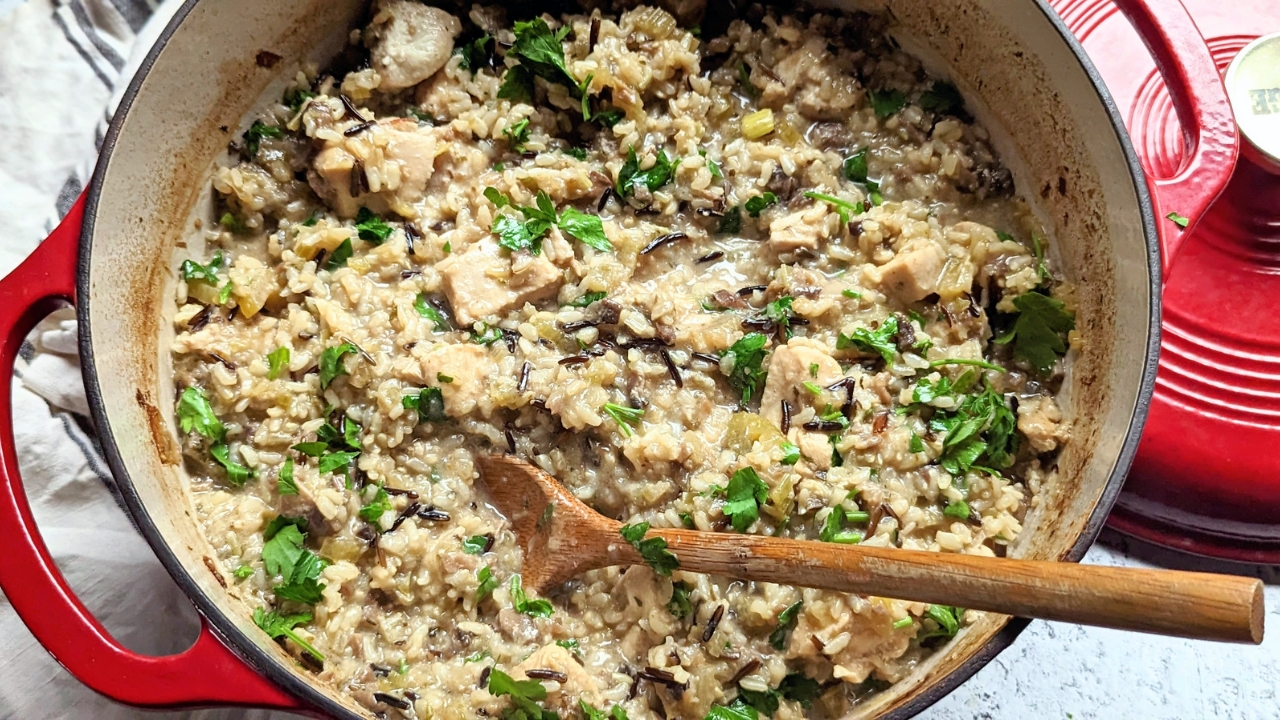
1055, 671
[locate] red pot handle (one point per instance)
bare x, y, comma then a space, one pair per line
1204, 111
205, 674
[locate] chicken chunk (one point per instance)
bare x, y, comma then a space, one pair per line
397, 159
482, 282
821, 90
579, 682
410, 42
789, 369
799, 230
913, 273
470, 367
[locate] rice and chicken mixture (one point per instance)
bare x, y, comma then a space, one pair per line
745, 274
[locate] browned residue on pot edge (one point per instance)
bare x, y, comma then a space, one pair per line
160, 435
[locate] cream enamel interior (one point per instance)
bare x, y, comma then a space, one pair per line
1059, 139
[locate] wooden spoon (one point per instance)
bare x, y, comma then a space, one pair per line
561, 537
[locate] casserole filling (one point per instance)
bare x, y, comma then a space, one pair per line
746, 275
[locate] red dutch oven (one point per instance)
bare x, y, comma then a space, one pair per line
113, 257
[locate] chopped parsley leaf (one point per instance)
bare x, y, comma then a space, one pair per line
587, 229
757, 204
879, 340
517, 85
653, 550
475, 54
577, 153
539, 50
712, 166
237, 474
855, 166
679, 604
487, 335
967, 361
731, 223
331, 365
243, 572
340, 255
277, 360
1178, 219
372, 511
525, 696
1037, 247
371, 228
958, 510
432, 313
852, 294
428, 403
521, 602
790, 454
786, 621
747, 358
630, 176
587, 299
284, 480
475, 544
744, 496
298, 568
1037, 332
739, 710
917, 444
193, 271
887, 103
256, 132
195, 413
488, 583
276, 625
517, 135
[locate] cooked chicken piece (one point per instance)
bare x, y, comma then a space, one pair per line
410, 42
821, 90
1040, 419
579, 683
482, 282
401, 156
801, 229
789, 369
913, 273
469, 366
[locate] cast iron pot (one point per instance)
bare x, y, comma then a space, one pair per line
113, 257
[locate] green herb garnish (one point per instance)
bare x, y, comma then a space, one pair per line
195, 413
786, 621
747, 357
277, 360
630, 176
429, 404
331, 365
679, 604
653, 550
1037, 334
521, 602
284, 480
887, 103
757, 204
942, 99
744, 496
276, 625
833, 528
488, 583
256, 132
626, 417
879, 340
432, 313
475, 544
371, 228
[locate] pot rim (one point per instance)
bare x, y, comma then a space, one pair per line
259, 659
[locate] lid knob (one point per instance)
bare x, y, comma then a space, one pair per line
1253, 84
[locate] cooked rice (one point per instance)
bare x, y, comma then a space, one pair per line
399, 614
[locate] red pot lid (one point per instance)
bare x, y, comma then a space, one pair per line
1207, 475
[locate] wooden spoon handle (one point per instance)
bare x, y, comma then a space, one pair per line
1166, 602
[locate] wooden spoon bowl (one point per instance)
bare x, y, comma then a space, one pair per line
561, 538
